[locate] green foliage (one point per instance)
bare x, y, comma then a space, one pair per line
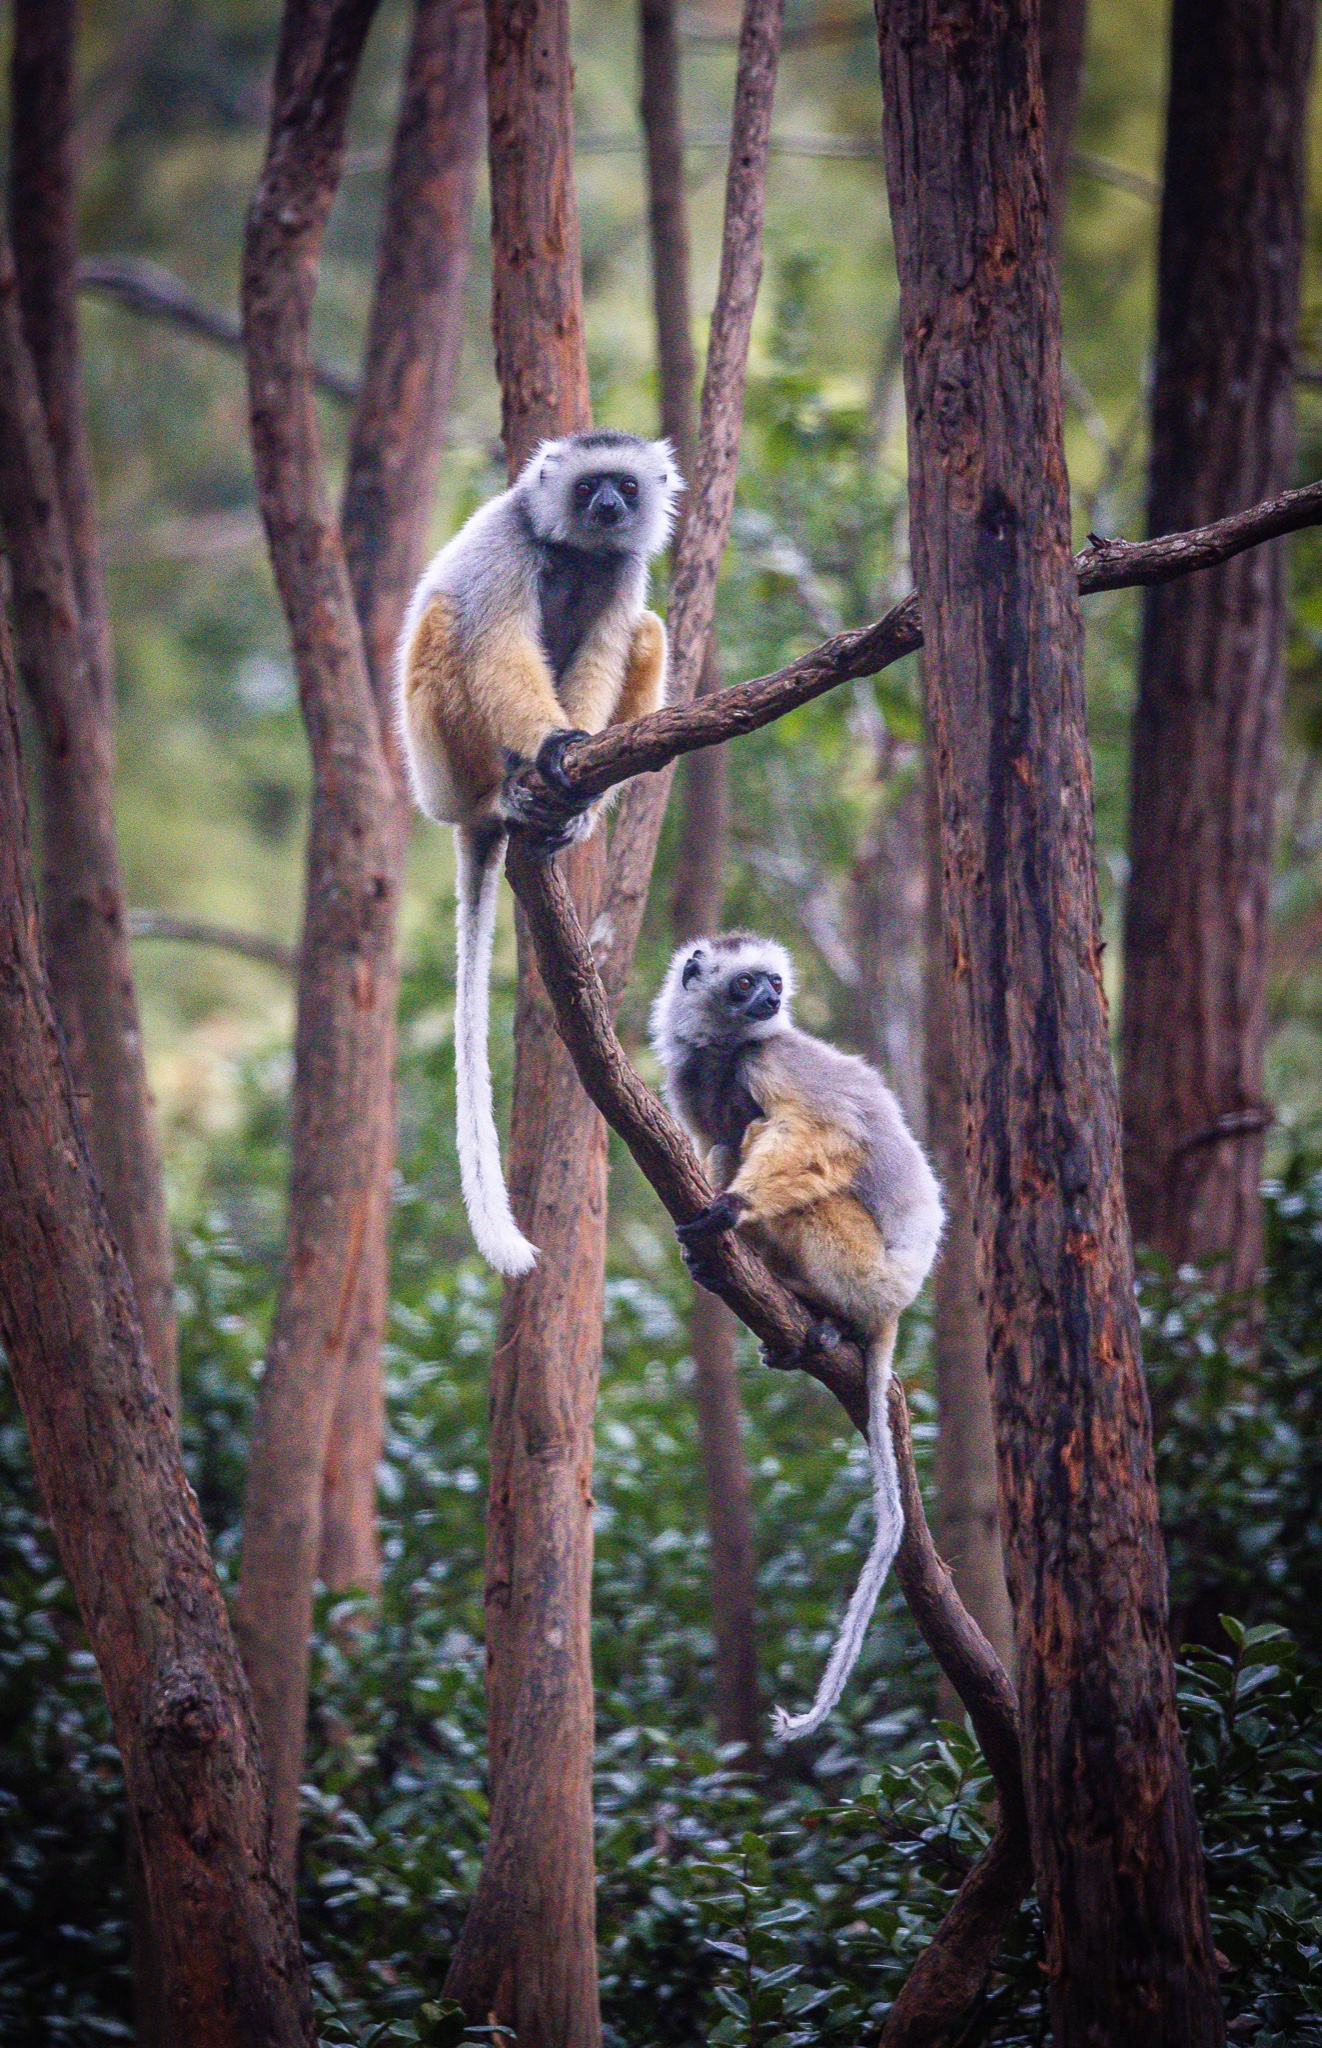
773, 1907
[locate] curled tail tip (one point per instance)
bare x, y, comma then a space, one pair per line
789, 1726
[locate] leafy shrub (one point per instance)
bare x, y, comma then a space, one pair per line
777, 1908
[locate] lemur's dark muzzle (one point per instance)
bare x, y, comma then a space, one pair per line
763, 1005
608, 507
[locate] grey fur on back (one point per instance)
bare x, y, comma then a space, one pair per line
720, 1075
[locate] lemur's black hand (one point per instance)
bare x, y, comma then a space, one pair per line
718, 1217
551, 764
549, 816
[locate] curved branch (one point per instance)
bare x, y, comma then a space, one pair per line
647, 744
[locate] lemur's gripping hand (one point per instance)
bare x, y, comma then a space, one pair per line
697, 1240
551, 815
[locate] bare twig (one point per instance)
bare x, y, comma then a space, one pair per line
710, 500
193, 931
157, 294
649, 744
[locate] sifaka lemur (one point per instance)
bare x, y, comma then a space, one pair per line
527, 631
817, 1169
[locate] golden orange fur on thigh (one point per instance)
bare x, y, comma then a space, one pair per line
832, 1251
440, 713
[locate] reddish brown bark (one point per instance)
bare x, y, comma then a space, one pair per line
1115, 1848
413, 339
698, 896
126, 1522
1211, 663
346, 963
527, 1953
84, 926
968, 1515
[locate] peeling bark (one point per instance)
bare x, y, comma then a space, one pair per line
1115, 1846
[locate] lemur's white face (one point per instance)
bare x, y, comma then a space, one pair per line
731, 988
606, 491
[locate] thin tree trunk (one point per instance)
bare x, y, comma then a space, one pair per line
967, 1511
1210, 667
413, 339
888, 894
127, 1524
84, 918
347, 972
698, 898
527, 1955
1115, 1847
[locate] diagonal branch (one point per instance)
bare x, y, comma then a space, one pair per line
649, 744
583, 1019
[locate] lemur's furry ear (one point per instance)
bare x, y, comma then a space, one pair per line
692, 969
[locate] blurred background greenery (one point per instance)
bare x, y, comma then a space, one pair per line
783, 1911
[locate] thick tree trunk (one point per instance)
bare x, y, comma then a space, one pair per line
347, 972
413, 339
966, 1447
1115, 1848
84, 925
1210, 667
967, 1511
527, 1954
698, 898
127, 1524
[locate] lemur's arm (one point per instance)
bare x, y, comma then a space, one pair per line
644, 687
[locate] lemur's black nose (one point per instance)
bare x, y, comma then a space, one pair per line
764, 1004
608, 507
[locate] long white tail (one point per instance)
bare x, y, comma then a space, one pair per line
886, 1537
479, 858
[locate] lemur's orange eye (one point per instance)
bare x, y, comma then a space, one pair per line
776, 982
744, 983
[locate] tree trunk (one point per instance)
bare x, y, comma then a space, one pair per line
1210, 666
1115, 1848
347, 973
84, 924
698, 898
967, 1517
966, 1448
127, 1524
527, 1955
413, 339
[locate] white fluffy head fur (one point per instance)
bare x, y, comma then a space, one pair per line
546, 489
691, 1007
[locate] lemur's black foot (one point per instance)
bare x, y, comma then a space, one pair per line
546, 812
698, 1239
824, 1336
